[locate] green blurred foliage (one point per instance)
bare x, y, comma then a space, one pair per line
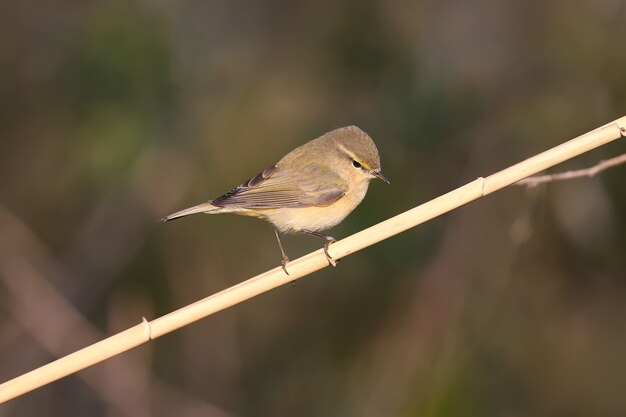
115, 114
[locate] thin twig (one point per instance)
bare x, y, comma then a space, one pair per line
579, 173
146, 331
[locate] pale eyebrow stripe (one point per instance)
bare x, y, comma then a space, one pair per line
352, 155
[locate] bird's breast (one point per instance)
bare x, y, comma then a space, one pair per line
317, 218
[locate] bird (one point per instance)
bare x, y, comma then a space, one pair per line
310, 190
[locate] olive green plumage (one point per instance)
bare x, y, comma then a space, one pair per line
311, 189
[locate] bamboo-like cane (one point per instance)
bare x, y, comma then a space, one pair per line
149, 330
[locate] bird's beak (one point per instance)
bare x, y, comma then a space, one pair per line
379, 175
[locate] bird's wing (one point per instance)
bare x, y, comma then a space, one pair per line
312, 185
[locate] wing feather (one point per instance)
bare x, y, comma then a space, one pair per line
313, 185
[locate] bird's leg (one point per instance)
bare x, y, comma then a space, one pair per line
328, 239
282, 251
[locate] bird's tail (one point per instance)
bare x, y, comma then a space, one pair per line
200, 208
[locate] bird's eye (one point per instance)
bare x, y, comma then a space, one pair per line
356, 164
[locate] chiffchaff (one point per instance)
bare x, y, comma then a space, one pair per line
311, 189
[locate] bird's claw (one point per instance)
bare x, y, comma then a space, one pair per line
329, 258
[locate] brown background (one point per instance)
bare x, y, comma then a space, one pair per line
116, 113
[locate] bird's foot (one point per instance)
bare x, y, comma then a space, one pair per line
284, 263
329, 240
331, 261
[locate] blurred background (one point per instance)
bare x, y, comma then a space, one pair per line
114, 114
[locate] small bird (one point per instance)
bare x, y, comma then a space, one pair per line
311, 189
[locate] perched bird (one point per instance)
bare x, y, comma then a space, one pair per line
311, 189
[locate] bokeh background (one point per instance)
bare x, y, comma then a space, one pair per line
114, 114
